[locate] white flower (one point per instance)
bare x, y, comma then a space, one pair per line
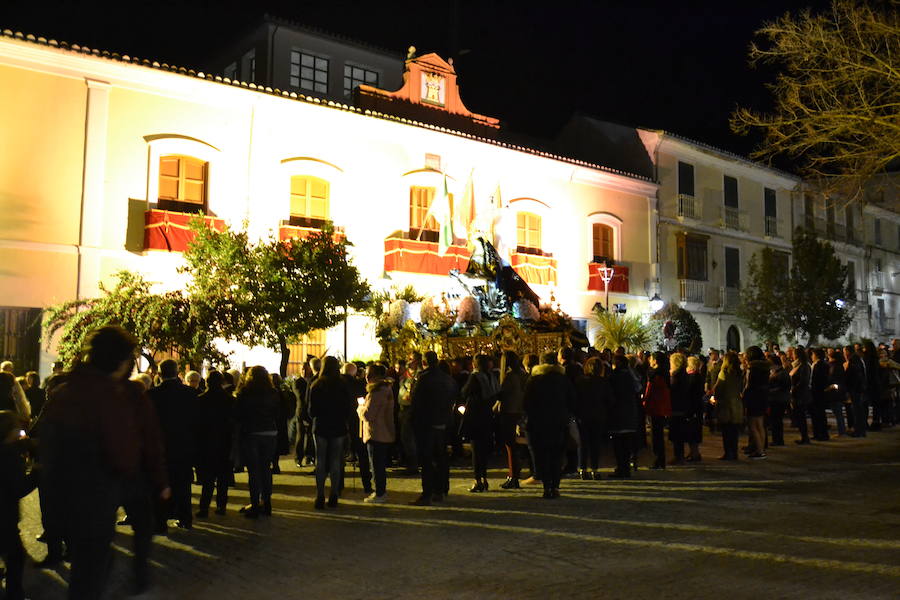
526, 310
469, 311
399, 313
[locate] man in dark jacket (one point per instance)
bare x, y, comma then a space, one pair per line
548, 396
855, 376
431, 403
176, 406
622, 415
90, 448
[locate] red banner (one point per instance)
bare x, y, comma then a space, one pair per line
170, 231
534, 268
618, 283
414, 256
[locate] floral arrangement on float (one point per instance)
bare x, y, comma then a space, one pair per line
456, 325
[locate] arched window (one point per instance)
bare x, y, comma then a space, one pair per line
602, 242
733, 339
182, 183
309, 200
528, 233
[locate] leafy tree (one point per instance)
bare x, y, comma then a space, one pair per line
836, 95
163, 323
803, 304
764, 298
686, 331
818, 281
614, 330
272, 293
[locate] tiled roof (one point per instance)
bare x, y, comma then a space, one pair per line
152, 64
267, 18
732, 155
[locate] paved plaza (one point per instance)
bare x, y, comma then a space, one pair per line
818, 521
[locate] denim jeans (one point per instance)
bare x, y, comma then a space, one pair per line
257, 452
378, 458
837, 409
329, 455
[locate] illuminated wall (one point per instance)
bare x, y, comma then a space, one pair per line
81, 138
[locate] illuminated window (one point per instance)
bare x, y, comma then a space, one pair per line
528, 232
603, 241
354, 76
309, 72
309, 200
182, 183
312, 343
420, 199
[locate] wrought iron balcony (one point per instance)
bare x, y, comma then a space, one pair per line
689, 207
730, 298
734, 218
692, 291
876, 282
772, 227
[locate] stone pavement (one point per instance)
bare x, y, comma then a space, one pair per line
819, 521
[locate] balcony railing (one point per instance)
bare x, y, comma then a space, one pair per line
689, 207
730, 298
693, 291
876, 282
772, 227
884, 324
734, 218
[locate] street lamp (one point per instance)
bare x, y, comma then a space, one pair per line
656, 303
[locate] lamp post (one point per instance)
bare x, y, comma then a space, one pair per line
606, 274
656, 303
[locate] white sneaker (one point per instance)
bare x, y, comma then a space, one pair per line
375, 499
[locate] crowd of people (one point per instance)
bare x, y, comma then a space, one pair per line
100, 436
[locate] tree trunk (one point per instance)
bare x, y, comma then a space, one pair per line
285, 356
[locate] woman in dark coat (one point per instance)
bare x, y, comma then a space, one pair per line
755, 398
801, 397
512, 413
779, 398
658, 405
256, 412
818, 387
622, 415
287, 406
681, 406
592, 398
480, 393
14, 485
836, 392
215, 409
330, 405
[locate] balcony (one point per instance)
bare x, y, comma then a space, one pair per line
884, 324
773, 226
876, 282
692, 291
729, 299
618, 283
734, 218
171, 231
534, 268
417, 256
287, 231
689, 207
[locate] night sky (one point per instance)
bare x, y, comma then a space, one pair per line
678, 66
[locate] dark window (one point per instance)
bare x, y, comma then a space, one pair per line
692, 257
354, 76
829, 219
732, 267
20, 338
809, 215
851, 225
771, 207
731, 192
782, 263
877, 232
685, 179
309, 72
851, 276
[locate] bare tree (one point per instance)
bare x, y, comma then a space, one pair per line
837, 94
